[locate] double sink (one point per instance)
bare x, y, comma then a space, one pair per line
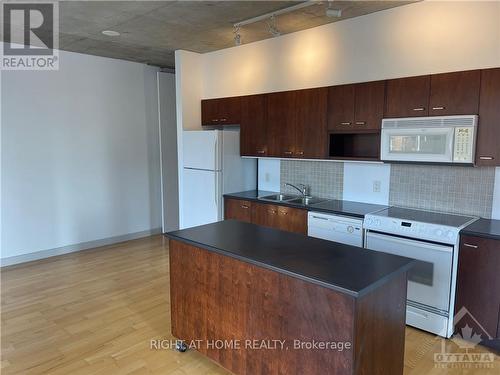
292, 199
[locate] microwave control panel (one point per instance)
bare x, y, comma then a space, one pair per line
463, 145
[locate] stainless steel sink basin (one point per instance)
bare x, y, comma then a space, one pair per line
306, 200
278, 197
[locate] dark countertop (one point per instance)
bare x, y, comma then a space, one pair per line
347, 269
333, 206
487, 228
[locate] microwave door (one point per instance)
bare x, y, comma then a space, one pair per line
418, 145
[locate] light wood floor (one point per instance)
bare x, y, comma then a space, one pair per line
95, 312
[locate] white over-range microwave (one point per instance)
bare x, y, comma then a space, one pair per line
438, 139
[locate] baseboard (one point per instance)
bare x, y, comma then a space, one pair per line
10, 261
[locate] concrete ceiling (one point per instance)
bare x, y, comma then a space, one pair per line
152, 30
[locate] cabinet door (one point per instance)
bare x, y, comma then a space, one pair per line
488, 132
209, 114
408, 97
369, 105
341, 107
478, 280
229, 110
455, 93
281, 124
238, 209
292, 219
310, 123
265, 214
253, 129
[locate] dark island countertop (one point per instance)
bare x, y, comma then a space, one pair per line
487, 228
333, 206
347, 269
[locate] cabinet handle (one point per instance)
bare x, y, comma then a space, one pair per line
360, 123
288, 152
283, 212
244, 206
300, 152
272, 212
261, 151
486, 157
345, 123
223, 119
215, 120
471, 246
438, 108
419, 109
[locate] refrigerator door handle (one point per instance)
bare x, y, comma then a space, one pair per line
216, 190
216, 154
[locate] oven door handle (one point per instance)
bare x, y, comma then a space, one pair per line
406, 241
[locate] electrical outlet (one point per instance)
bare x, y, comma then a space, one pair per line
376, 186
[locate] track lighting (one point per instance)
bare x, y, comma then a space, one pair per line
271, 25
237, 35
330, 12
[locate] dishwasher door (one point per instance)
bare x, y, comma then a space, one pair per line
342, 229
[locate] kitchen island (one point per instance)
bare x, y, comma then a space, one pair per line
262, 301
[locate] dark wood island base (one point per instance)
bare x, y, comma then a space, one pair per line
227, 303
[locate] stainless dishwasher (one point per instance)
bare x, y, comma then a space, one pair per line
343, 229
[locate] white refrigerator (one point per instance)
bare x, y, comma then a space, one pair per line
212, 166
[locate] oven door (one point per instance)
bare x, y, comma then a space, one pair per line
417, 144
429, 281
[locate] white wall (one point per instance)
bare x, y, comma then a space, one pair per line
421, 38
168, 149
80, 153
269, 174
359, 179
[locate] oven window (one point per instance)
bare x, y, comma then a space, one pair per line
418, 144
422, 273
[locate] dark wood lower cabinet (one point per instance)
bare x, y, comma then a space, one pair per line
238, 209
216, 297
269, 215
478, 285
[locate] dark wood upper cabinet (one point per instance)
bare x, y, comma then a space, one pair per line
455, 93
369, 105
209, 114
223, 111
408, 97
356, 107
253, 127
341, 107
488, 136
310, 113
478, 281
281, 124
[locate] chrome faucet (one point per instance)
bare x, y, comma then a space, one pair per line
304, 191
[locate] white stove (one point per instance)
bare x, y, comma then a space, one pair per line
432, 238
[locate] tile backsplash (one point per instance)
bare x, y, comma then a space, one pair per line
325, 178
455, 189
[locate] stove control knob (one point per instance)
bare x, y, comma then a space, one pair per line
369, 221
439, 232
